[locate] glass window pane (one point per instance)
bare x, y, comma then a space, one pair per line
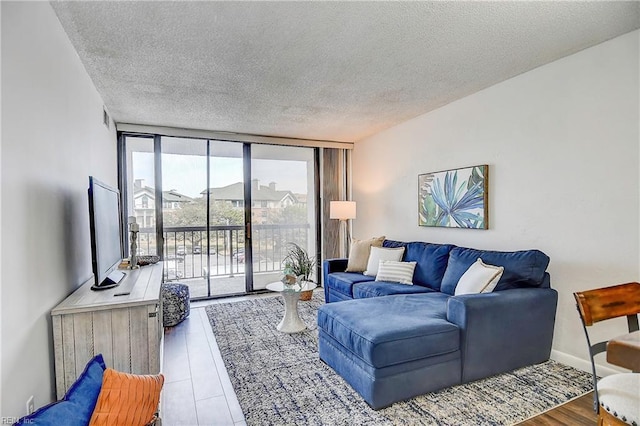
283, 196
141, 193
184, 211
226, 207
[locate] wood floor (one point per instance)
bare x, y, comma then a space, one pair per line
577, 412
197, 390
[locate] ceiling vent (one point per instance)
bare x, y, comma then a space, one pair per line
105, 117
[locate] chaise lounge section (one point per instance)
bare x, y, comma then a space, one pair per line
393, 341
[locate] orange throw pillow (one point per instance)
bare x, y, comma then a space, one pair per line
127, 399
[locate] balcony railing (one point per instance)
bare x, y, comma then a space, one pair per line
188, 253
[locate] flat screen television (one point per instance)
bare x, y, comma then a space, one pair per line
106, 244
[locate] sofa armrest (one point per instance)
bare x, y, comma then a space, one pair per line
330, 266
503, 330
334, 265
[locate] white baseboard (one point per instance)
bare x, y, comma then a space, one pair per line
584, 364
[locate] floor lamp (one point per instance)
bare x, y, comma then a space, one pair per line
343, 211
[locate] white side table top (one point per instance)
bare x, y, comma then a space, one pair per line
279, 287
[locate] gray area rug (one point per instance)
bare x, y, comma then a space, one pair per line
279, 379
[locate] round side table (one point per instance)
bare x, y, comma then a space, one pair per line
291, 323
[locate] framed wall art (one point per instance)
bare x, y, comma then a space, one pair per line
455, 198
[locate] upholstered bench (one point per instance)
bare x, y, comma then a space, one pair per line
391, 348
175, 303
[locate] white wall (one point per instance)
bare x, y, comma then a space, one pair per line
52, 140
562, 144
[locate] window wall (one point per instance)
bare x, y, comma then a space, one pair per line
227, 211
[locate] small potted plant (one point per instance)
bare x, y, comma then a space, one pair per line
297, 262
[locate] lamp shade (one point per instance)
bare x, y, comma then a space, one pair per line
342, 210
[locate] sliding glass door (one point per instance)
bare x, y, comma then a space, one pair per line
227, 272
283, 209
228, 210
184, 211
203, 215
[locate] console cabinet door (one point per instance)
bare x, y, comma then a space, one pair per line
127, 333
127, 338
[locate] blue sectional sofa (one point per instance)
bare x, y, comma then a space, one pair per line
394, 341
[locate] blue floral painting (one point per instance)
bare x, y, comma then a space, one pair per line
454, 198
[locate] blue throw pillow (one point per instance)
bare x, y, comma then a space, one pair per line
524, 268
78, 403
431, 261
393, 244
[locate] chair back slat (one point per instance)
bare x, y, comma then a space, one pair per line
609, 302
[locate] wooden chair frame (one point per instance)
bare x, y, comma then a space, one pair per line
602, 304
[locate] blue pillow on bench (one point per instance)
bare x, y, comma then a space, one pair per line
78, 403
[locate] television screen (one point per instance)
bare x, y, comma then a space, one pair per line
106, 247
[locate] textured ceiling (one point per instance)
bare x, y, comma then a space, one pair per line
318, 70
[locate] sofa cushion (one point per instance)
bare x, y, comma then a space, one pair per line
479, 278
389, 330
383, 288
127, 399
77, 404
359, 253
382, 253
342, 282
396, 272
431, 261
521, 268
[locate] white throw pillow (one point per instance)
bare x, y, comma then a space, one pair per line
396, 272
381, 253
479, 278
